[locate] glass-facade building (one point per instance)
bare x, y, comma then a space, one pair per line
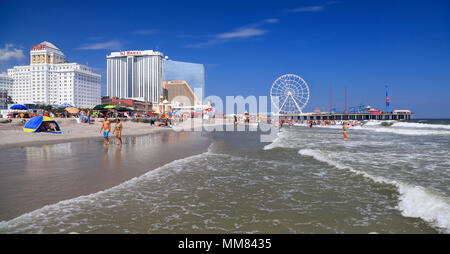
135, 75
192, 73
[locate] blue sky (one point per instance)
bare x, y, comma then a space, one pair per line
246, 45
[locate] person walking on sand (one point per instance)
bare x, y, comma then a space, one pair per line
106, 126
118, 131
88, 117
345, 128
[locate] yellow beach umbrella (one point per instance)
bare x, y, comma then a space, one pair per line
109, 106
72, 110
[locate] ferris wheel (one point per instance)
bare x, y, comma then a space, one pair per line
292, 93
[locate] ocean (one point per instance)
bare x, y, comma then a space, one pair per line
388, 177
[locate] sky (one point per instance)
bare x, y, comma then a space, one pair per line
246, 45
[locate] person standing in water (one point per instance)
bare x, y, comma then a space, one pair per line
106, 126
118, 131
345, 128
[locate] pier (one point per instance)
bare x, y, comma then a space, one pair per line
348, 116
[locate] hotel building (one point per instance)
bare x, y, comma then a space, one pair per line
50, 79
135, 75
193, 74
6, 82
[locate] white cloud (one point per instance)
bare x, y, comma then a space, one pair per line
242, 33
316, 8
109, 45
145, 32
8, 52
245, 32
271, 21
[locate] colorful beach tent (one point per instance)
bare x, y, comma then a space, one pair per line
19, 106
40, 123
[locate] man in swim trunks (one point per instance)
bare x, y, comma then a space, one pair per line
106, 126
345, 130
118, 131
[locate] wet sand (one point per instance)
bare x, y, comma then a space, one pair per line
34, 176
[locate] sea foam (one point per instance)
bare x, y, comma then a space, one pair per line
414, 201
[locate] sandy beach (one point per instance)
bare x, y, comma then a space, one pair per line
12, 135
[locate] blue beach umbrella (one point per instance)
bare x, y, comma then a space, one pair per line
65, 105
19, 106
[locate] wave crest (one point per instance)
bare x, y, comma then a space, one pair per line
414, 201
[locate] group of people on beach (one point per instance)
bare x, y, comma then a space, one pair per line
346, 125
106, 127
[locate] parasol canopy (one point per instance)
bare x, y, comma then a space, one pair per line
164, 115
109, 106
19, 106
72, 110
65, 105
123, 109
100, 106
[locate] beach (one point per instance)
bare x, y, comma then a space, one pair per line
12, 135
383, 179
40, 173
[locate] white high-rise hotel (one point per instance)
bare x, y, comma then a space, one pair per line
135, 75
50, 79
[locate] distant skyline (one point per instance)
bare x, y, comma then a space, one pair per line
247, 45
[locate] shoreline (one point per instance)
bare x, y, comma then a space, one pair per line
40, 176
12, 135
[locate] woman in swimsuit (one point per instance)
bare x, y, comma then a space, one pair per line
345, 128
118, 131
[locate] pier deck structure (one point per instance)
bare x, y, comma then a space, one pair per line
347, 116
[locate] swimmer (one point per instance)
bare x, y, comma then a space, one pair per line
106, 126
345, 128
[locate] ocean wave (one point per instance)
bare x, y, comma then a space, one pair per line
276, 142
411, 132
377, 127
38, 220
421, 125
414, 201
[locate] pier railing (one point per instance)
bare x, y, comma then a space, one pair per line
348, 116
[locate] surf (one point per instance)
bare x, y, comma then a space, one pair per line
414, 201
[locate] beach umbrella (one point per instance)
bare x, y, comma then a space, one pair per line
19, 106
163, 116
72, 110
65, 105
100, 106
109, 106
